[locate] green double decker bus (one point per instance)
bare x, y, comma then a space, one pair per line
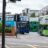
43, 28
34, 24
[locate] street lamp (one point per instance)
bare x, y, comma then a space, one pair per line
3, 21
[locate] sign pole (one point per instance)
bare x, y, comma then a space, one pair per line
3, 24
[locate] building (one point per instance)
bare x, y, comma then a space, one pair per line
44, 11
28, 12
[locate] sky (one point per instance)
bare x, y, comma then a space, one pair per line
19, 6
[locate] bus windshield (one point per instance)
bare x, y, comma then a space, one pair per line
46, 27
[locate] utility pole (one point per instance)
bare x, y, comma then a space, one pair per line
3, 21
3, 24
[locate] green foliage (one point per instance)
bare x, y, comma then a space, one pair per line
7, 29
33, 15
0, 27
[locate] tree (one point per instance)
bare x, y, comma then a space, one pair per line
46, 12
33, 15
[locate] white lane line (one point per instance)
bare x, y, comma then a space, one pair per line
6, 46
33, 46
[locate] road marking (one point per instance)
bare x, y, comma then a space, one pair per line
33, 46
6, 46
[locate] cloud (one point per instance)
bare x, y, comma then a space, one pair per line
19, 6
34, 4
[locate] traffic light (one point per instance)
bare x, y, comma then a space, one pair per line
14, 17
18, 17
13, 0
18, 0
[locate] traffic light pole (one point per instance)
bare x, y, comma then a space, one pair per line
3, 24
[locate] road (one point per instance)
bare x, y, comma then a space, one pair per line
31, 40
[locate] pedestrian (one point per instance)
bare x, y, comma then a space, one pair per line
15, 28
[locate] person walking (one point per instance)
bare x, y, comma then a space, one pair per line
15, 26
